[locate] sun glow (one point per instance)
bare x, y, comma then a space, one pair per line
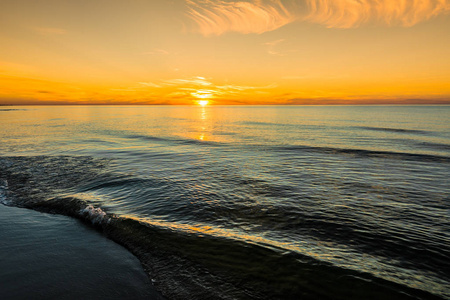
203, 94
225, 52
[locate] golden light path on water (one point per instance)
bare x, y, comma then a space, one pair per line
205, 230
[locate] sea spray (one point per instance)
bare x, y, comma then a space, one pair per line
95, 214
3, 192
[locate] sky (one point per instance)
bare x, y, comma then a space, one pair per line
268, 52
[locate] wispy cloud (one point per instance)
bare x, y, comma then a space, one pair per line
201, 81
150, 84
198, 87
239, 88
204, 93
351, 13
271, 47
192, 81
215, 17
274, 43
49, 30
157, 51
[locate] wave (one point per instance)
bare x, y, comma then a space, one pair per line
396, 130
3, 192
366, 153
12, 109
184, 265
325, 150
346, 225
309, 126
434, 146
258, 123
173, 140
147, 138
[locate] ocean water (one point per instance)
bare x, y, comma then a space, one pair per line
258, 202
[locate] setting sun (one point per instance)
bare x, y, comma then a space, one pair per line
203, 102
203, 94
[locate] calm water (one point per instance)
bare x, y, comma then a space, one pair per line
248, 202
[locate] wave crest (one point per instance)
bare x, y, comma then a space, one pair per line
3, 192
95, 215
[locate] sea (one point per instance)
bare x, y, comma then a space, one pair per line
246, 202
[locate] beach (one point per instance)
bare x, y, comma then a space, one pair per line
47, 256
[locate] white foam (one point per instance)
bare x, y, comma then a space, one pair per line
4, 191
95, 215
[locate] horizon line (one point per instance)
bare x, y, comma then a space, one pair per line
210, 105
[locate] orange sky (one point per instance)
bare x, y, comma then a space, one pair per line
225, 52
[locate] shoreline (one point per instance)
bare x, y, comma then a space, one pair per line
54, 256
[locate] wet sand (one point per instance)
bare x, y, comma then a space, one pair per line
44, 256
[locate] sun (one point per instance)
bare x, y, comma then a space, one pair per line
203, 96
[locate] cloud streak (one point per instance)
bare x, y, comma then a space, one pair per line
157, 51
200, 81
215, 17
195, 81
353, 13
198, 87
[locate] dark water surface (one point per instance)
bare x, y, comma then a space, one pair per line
249, 202
53, 257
